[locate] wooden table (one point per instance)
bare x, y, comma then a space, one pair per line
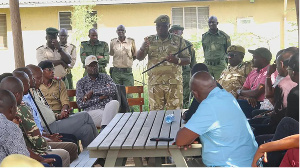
128, 135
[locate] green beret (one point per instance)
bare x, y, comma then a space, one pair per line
236, 48
263, 52
162, 19
176, 27
52, 31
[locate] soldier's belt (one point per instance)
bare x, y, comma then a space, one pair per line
122, 69
213, 62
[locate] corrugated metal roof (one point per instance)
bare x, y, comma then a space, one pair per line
43, 3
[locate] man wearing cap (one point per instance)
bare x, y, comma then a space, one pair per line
253, 90
215, 43
123, 51
234, 76
70, 48
94, 94
186, 69
95, 47
53, 52
165, 80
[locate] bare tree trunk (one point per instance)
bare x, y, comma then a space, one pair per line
17, 33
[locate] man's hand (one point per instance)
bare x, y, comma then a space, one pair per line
271, 69
185, 147
145, 44
55, 137
172, 59
48, 161
64, 64
56, 44
88, 96
252, 102
17, 120
257, 156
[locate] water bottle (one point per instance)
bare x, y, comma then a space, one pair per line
169, 118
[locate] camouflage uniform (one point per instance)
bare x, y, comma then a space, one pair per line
123, 55
165, 81
233, 78
186, 75
215, 47
31, 132
70, 48
99, 49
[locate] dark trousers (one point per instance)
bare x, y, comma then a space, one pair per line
58, 161
247, 108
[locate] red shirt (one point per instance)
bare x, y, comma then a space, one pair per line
254, 79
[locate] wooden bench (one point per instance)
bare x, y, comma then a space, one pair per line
83, 160
135, 101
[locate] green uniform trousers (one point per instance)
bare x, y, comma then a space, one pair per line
122, 77
216, 70
186, 76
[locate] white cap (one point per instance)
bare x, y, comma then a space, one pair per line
89, 59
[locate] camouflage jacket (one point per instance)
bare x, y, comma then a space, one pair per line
166, 73
233, 78
31, 132
186, 69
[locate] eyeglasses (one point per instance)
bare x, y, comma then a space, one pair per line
49, 69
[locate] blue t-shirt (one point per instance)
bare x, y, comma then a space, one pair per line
226, 136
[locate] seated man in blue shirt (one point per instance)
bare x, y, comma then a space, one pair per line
225, 134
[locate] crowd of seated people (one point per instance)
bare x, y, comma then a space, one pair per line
275, 87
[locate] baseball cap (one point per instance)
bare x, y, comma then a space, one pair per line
176, 27
89, 59
263, 52
162, 19
236, 48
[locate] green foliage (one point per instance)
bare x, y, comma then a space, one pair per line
81, 21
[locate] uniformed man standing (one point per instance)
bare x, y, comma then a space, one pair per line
97, 48
215, 43
234, 76
165, 80
53, 52
70, 48
123, 51
186, 69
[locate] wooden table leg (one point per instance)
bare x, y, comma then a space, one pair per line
111, 158
178, 157
138, 161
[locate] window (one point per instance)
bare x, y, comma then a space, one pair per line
190, 17
244, 24
65, 20
3, 31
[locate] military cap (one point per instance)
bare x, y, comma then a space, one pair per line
263, 52
176, 27
52, 31
162, 19
45, 64
236, 48
89, 59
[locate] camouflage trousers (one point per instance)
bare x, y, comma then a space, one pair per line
165, 96
216, 70
186, 88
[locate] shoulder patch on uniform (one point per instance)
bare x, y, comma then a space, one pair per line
113, 39
84, 42
39, 47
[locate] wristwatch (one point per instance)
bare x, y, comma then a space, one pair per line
239, 91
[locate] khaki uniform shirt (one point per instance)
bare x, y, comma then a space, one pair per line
233, 78
166, 73
55, 94
45, 53
122, 52
215, 45
71, 49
